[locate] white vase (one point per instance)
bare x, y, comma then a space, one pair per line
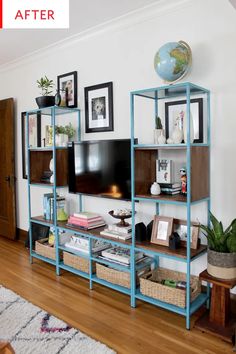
191, 128
157, 133
177, 135
162, 139
61, 139
155, 189
51, 165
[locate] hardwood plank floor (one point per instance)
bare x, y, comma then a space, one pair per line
101, 313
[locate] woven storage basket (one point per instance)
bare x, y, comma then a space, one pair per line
112, 275
43, 249
150, 287
77, 262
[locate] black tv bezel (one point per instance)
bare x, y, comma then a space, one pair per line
71, 165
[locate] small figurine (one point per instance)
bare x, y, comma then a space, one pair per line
183, 178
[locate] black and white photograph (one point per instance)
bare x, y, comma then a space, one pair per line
99, 108
67, 87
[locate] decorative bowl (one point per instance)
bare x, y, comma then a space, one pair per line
122, 218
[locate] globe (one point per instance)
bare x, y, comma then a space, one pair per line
173, 60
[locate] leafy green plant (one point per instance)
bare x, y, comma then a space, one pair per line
220, 240
68, 130
45, 85
158, 123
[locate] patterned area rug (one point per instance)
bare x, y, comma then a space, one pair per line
31, 330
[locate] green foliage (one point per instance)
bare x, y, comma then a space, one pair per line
68, 130
45, 85
220, 240
158, 123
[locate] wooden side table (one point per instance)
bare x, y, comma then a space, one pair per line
6, 348
219, 321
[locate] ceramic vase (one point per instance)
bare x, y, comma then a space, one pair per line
162, 139
177, 135
61, 139
155, 189
157, 133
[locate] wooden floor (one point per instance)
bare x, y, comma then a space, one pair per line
101, 313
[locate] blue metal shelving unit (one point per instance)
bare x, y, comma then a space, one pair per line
156, 94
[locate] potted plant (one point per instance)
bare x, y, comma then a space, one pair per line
158, 129
221, 254
63, 134
46, 100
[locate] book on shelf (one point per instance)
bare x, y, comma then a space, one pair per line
118, 235
120, 254
81, 244
76, 226
170, 185
87, 215
171, 189
120, 229
83, 222
171, 193
164, 171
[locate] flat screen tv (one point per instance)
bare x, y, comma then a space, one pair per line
100, 168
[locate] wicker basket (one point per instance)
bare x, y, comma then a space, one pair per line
77, 262
43, 249
112, 275
150, 286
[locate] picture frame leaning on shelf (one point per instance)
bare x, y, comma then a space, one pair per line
162, 230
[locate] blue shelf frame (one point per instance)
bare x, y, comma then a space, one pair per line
186, 90
155, 94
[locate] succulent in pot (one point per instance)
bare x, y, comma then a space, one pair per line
221, 254
46, 99
158, 129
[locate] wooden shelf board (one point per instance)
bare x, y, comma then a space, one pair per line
40, 218
181, 252
175, 198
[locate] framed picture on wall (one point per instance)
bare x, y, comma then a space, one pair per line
67, 87
34, 137
99, 108
161, 230
175, 113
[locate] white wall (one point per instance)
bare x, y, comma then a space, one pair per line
124, 54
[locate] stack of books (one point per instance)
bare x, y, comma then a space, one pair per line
170, 188
81, 244
48, 205
86, 220
120, 255
123, 233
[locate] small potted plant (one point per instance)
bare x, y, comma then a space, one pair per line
221, 254
63, 134
46, 99
158, 131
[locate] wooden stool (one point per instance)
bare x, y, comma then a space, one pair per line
219, 321
6, 348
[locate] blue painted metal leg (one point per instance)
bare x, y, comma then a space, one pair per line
90, 264
208, 295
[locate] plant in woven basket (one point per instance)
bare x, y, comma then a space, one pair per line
221, 248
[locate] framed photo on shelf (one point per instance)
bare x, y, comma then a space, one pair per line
99, 108
67, 87
34, 137
161, 230
176, 112
180, 226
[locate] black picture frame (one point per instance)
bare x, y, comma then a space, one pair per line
99, 108
199, 117
36, 137
67, 87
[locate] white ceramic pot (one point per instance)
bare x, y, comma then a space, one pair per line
61, 139
162, 139
177, 135
157, 133
191, 128
155, 189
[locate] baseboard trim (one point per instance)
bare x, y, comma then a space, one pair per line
21, 235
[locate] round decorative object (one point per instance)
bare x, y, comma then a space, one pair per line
51, 166
155, 189
173, 60
121, 216
170, 141
162, 139
177, 135
57, 98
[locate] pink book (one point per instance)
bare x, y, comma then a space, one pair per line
75, 221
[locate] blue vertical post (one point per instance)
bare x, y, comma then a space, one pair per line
90, 263
209, 200
54, 156
132, 250
28, 186
188, 297
157, 204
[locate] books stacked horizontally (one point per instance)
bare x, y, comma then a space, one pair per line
170, 188
86, 220
120, 255
120, 232
81, 244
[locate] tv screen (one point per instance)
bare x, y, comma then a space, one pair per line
101, 168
